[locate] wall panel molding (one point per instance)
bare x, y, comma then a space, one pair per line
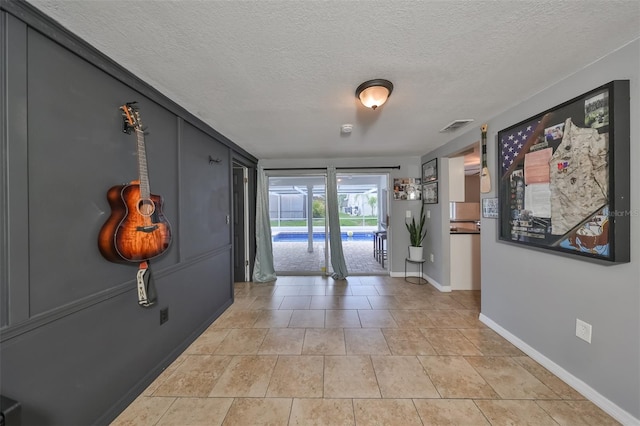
16, 185
129, 286
4, 165
144, 383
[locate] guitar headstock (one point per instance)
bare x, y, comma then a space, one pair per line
130, 118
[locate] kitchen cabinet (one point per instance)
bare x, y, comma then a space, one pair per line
465, 260
456, 179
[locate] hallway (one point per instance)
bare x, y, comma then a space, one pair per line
369, 350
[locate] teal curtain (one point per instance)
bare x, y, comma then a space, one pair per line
335, 241
263, 270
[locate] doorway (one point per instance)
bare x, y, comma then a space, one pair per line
241, 252
298, 212
464, 219
363, 210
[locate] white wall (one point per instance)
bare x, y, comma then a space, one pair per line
534, 297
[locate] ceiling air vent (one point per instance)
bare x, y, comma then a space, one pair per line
455, 125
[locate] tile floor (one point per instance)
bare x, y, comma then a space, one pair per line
366, 351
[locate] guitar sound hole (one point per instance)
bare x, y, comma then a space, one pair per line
146, 207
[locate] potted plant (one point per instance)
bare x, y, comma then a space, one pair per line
417, 233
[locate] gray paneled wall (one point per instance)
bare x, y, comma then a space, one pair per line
75, 345
76, 152
208, 201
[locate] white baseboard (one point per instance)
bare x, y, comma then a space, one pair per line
434, 283
587, 391
437, 285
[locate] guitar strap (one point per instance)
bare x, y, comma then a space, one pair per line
146, 288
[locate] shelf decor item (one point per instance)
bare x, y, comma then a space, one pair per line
563, 177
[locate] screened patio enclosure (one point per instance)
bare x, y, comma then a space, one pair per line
297, 211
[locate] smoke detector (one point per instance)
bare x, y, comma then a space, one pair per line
455, 125
346, 128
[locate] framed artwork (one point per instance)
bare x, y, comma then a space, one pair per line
430, 193
564, 177
406, 189
430, 171
490, 208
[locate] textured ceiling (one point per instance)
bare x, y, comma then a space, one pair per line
278, 77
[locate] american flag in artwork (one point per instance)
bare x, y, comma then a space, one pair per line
512, 141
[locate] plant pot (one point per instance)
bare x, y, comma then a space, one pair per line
415, 253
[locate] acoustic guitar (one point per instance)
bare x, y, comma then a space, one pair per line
136, 230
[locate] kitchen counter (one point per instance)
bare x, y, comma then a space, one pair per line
463, 231
464, 227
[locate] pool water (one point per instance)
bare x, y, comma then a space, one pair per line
319, 236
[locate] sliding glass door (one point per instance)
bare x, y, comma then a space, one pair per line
362, 205
297, 211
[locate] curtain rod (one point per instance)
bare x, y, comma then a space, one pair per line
337, 168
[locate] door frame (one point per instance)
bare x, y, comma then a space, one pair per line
247, 254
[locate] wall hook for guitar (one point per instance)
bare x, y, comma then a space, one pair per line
128, 120
214, 160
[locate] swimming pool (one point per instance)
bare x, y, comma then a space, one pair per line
319, 236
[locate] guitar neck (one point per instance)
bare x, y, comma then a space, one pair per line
145, 191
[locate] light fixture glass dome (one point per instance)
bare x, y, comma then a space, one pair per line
374, 93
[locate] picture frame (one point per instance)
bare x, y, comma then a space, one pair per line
490, 208
563, 182
430, 171
430, 193
407, 189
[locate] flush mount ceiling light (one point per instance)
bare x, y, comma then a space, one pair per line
374, 93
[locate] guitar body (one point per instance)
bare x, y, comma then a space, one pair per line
137, 229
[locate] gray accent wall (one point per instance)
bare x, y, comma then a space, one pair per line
76, 348
536, 297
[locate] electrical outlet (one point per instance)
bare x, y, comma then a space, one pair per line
428, 214
164, 315
431, 257
583, 330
